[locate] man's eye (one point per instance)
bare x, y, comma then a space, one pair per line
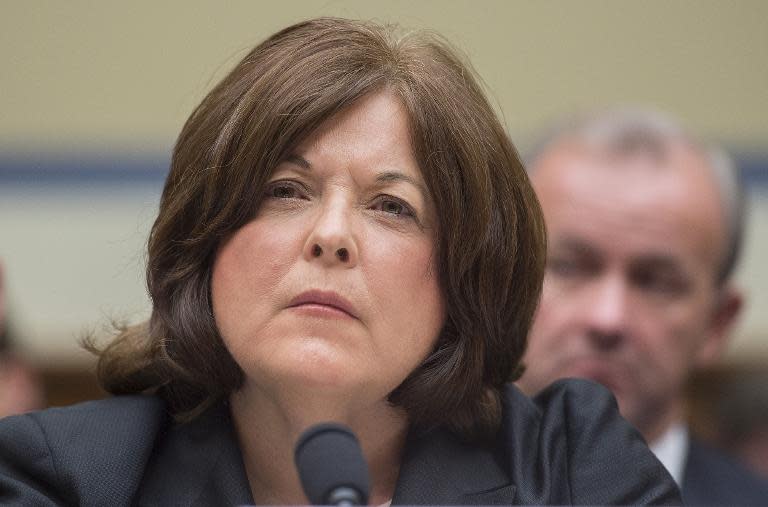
564, 268
669, 285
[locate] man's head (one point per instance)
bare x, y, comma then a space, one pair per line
644, 227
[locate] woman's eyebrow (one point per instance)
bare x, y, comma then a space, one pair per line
395, 176
299, 161
383, 177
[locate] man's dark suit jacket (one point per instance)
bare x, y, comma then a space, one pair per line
566, 446
713, 478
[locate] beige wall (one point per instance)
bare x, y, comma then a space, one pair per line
120, 78
126, 74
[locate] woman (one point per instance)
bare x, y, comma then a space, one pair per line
346, 234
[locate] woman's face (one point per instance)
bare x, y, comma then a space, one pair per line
332, 288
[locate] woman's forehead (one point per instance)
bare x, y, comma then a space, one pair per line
373, 132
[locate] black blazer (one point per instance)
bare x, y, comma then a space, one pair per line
713, 478
567, 446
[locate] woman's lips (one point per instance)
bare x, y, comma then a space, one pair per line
323, 304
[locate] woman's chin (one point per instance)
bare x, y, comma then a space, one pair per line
318, 377
315, 369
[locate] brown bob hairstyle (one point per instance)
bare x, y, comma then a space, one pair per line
490, 232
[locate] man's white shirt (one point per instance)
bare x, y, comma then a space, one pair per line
671, 449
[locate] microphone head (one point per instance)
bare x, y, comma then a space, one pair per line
331, 466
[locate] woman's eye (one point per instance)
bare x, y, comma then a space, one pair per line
393, 206
283, 190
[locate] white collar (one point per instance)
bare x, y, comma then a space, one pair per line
671, 449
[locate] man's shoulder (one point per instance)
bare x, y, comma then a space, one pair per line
712, 477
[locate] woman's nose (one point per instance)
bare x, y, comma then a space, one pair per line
331, 239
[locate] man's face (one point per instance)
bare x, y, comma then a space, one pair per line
630, 298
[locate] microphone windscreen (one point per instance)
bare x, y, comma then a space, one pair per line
329, 458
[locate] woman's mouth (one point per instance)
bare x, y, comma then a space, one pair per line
323, 304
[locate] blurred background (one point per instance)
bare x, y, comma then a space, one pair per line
92, 95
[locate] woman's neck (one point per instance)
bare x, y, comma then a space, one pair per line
268, 434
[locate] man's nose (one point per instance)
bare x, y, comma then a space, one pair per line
607, 312
331, 239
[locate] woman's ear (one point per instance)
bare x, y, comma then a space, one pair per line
725, 312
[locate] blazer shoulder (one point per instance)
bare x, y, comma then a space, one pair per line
573, 431
91, 453
712, 477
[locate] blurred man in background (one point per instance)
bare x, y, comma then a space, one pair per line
644, 229
740, 413
19, 389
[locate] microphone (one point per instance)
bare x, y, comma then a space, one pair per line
331, 466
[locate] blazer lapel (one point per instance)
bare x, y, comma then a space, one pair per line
438, 469
198, 463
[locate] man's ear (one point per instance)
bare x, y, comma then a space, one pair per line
725, 312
